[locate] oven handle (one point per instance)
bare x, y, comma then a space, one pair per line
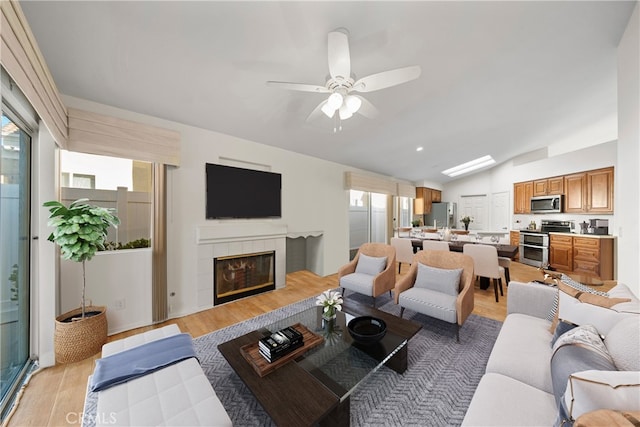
534, 246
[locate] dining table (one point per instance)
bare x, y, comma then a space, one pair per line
507, 251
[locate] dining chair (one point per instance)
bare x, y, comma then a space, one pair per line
404, 251
505, 262
435, 245
485, 264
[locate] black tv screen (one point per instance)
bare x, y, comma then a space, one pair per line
242, 193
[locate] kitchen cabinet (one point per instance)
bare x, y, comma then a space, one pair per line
522, 193
587, 255
548, 186
514, 240
600, 191
575, 197
424, 199
593, 256
589, 192
561, 252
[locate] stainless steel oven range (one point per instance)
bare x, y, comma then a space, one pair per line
534, 244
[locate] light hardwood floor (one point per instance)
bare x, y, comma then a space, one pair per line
55, 396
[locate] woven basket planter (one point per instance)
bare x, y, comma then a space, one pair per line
79, 339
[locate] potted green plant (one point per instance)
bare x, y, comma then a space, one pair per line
466, 220
80, 231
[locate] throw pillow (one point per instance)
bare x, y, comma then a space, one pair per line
586, 336
574, 311
371, 265
600, 389
623, 344
561, 329
580, 293
607, 417
568, 281
580, 349
589, 297
438, 279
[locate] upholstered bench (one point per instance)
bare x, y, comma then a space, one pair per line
179, 394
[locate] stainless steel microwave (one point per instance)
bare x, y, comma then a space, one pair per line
546, 204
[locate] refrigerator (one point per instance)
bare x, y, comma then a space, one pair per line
443, 213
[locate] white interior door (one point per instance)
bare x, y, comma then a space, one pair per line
477, 207
500, 211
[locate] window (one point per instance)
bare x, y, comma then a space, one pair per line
122, 184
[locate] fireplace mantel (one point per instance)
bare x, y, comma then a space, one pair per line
232, 238
239, 232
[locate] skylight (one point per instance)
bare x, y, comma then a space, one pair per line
469, 166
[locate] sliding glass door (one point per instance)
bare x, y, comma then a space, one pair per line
368, 219
15, 196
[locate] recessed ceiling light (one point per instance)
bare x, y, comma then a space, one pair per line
469, 166
419, 148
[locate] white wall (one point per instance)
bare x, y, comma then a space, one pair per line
119, 280
44, 275
627, 175
313, 198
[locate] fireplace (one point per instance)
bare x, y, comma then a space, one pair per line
239, 276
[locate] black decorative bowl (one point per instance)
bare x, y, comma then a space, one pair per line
367, 329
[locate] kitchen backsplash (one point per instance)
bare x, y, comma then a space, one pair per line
521, 222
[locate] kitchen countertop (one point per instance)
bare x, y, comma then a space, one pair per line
592, 236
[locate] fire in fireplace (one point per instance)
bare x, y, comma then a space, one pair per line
239, 276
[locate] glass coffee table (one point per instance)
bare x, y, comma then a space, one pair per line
314, 388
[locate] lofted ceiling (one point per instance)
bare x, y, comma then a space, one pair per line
498, 78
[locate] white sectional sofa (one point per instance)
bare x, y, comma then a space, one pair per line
178, 395
517, 388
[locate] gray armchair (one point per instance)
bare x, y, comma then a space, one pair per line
444, 292
373, 276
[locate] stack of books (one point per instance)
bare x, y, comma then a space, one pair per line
280, 344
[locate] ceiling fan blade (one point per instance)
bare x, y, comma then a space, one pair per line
301, 87
367, 109
317, 112
339, 59
387, 79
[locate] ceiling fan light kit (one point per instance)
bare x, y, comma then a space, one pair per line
341, 84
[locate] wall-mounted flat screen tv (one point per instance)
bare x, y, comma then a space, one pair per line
242, 193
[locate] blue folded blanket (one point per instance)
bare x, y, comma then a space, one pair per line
142, 360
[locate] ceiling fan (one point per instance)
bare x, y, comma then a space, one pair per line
341, 85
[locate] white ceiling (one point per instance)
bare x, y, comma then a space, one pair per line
498, 78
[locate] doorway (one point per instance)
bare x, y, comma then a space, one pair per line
368, 219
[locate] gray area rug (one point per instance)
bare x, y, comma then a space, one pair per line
435, 390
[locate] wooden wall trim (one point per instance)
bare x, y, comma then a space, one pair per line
378, 184
105, 135
22, 59
406, 190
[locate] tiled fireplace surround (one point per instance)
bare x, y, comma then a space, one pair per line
219, 240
